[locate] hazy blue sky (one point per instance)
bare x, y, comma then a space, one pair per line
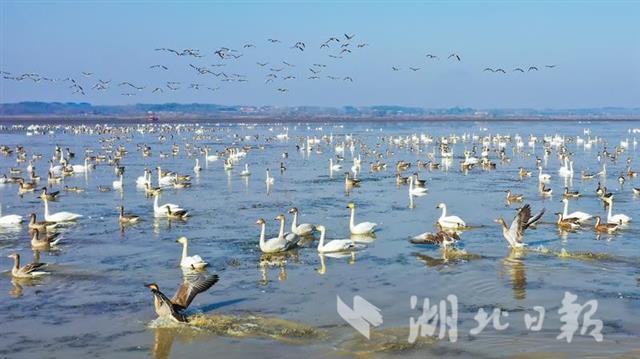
595, 45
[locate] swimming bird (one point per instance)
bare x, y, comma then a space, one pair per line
523, 220
173, 308
416, 191
570, 224
570, 194
44, 242
126, 218
336, 245
273, 245
302, 229
28, 271
9, 219
618, 218
441, 237
449, 222
40, 225
543, 177
514, 197
578, 215
190, 262
605, 227
269, 180
360, 228
176, 214
59, 216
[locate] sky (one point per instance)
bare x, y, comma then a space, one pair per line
595, 47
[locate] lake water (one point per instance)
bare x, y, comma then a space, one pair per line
94, 302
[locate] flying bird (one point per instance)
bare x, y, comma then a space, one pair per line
349, 37
532, 68
518, 69
456, 56
158, 66
414, 68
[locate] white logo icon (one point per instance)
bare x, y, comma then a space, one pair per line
362, 316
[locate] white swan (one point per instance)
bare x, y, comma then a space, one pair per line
245, 172
209, 157
144, 179
197, 167
578, 216
273, 245
166, 180
190, 262
567, 169
543, 177
416, 191
332, 167
303, 229
161, 211
9, 219
452, 222
81, 168
117, 184
269, 179
618, 218
59, 216
360, 228
336, 245
288, 236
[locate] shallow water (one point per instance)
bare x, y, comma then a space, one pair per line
94, 302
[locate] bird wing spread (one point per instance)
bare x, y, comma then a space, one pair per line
190, 288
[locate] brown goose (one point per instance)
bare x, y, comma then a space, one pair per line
570, 194
28, 271
514, 197
127, 217
50, 196
173, 308
441, 237
178, 214
523, 220
567, 224
40, 225
44, 242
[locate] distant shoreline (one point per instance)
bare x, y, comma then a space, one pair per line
187, 118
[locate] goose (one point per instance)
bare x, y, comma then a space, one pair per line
514, 197
336, 245
522, 221
545, 191
51, 178
28, 271
45, 242
636, 191
570, 194
245, 172
151, 191
332, 167
441, 237
173, 308
579, 216
543, 177
303, 229
177, 214
621, 179
274, 245
618, 218
117, 184
40, 225
125, 218
208, 157
26, 186
417, 181
49, 195
269, 180
360, 228
570, 224
605, 227
351, 182
9, 219
449, 222
161, 211
401, 179
190, 262
416, 191
59, 216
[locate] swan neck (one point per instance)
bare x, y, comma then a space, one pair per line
184, 250
566, 208
262, 232
294, 224
352, 220
281, 233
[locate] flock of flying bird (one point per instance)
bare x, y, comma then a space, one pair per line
277, 74
449, 228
